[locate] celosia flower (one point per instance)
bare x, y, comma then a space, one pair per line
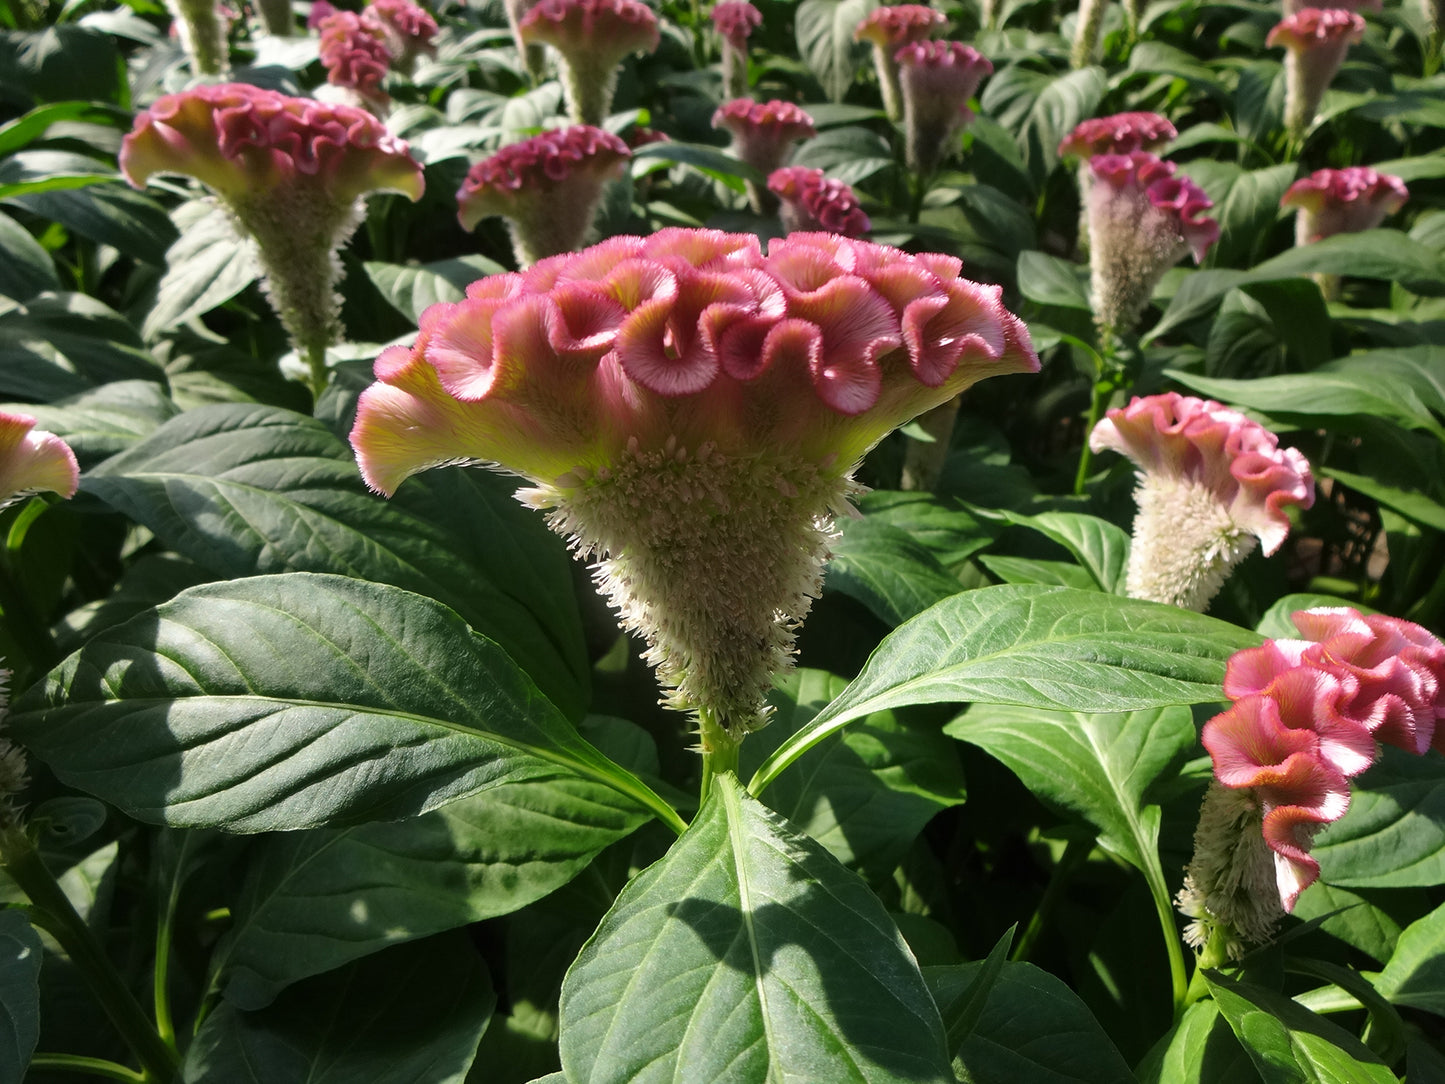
33, 461
292, 171
692, 411
1292, 7
1142, 220
889, 29
1331, 201
547, 187
321, 10
762, 134
1088, 26
355, 58
592, 37
735, 20
937, 78
406, 30
810, 201
203, 26
1212, 484
1317, 40
1121, 133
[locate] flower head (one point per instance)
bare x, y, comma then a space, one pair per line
33, 461
762, 134
1317, 40
406, 30
548, 187
1212, 483
592, 37
1316, 28
1121, 133
355, 57
692, 410
937, 79
736, 20
888, 29
811, 201
1331, 201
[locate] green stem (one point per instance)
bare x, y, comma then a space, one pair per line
165, 926
53, 912
1173, 943
1073, 857
315, 355
81, 1064
719, 752
1098, 397
1214, 955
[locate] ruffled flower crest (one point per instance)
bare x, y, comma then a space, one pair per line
547, 188
1317, 40
1331, 201
937, 79
405, 28
1212, 485
888, 29
33, 461
691, 410
592, 37
735, 20
356, 60
810, 201
762, 135
1120, 133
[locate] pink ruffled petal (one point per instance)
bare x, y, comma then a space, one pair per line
33, 461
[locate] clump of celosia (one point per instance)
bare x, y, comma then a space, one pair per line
1143, 218
1307, 717
888, 29
592, 37
356, 59
1317, 40
1120, 133
735, 21
547, 188
405, 29
33, 461
691, 410
762, 135
1331, 201
203, 26
810, 201
937, 79
1212, 486
292, 172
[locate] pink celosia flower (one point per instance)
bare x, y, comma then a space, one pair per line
735, 21
1212, 484
1317, 40
203, 26
1121, 133
292, 171
762, 134
692, 410
1142, 220
592, 37
810, 201
355, 58
404, 28
1292, 7
889, 29
321, 10
937, 79
547, 187
1331, 201
33, 461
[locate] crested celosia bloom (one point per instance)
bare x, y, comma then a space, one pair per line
810, 201
1212, 485
1331, 201
292, 171
763, 133
1292, 7
1121, 133
1317, 40
888, 29
547, 188
1142, 220
203, 26
33, 461
1307, 717
937, 79
592, 37
406, 30
691, 410
735, 21
355, 58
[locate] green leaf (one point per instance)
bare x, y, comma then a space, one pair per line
47, 171
410, 1014
210, 264
62, 63
1040, 647
1248, 212
243, 490
962, 993
24, 130
748, 953
1200, 1049
25, 269
1033, 570
940, 525
63, 344
1276, 623
709, 160
20, 954
1411, 504
412, 288
1351, 918
111, 215
1040, 109
105, 420
851, 155
296, 701
151, 580
1049, 280
887, 570
1415, 974
868, 791
1100, 547
1394, 833
374, 885
824, 30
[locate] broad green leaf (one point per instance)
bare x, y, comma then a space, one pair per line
296, 701
1413, 505
414, 1013
1393, 835
1101, 547
26, 269
98, 423
1201, 1049
850, 154
1054, 648
1299, 317
411, 288
154, 578
25, 129
887, 570
1248, 211
62, 344
825, 41
210, 264
20, 955
374, 885
867, 792
1040, 109
46, 171
1421, 368
62, 63
710, 160
1415, 973
244, 490
1095, 766
1049, 280
1426, 167
1350, 917
746, 954
1034, 570
961, 993
939, 524
109, 214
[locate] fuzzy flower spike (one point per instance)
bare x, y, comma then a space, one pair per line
292, 171
592, 37
889, 29
1119, 133
1331, 201
735, 21
547, 188
763, 133
811, 201
1307, 717
1142, 220
937, 79
1212, 484
691, 411
203, 26
1317, 40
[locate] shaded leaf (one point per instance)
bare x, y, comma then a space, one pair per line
825, 41
210, 264
887, 570
26, 269
20, 954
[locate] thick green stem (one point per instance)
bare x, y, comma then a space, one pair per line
1073, 857
79, 1063
1102, 390
53, 912
719, 752
1173, 943
1215, 955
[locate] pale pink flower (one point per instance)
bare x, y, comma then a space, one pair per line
1292, 7
356, 59
691, 410
1317, 40
1331, 201
405, 28
1212, 484
33, 461
547, 187
1142, 220
888, 29
1121, 133
937, 79
735, 21
592, 37
763, 134
811, 201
